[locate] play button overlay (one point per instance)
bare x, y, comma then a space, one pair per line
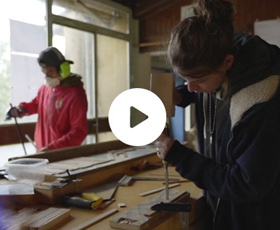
137, 117
138, 114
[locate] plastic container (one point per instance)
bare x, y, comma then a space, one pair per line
27, 170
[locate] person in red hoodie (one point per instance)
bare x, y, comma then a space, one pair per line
61, 104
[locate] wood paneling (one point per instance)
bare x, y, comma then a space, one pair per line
156, 28
145, 8
247, 12
10, 135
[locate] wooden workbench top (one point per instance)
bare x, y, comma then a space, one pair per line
129, 195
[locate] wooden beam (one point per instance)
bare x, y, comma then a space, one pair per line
146, 44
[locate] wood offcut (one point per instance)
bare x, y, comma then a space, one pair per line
142, 217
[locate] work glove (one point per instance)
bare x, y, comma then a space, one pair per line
15, 112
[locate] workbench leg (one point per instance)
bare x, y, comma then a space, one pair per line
184, 217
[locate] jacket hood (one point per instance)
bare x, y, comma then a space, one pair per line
255, 60
72, 80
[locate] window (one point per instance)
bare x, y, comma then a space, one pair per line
96, 37
23, 36
93, 12
78, 46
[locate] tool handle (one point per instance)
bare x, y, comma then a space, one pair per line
172, 206
77, 202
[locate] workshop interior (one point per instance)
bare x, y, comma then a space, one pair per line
102, 183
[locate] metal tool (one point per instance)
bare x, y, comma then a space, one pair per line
155, 179
19, 132
165, 163
32, 142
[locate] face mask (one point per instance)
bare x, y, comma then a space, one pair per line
52, 82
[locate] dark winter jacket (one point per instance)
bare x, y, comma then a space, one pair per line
239, 161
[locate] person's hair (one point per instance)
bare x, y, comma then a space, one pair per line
203, 39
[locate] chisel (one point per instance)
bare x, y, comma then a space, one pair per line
165, 163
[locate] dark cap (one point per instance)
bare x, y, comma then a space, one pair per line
52, 57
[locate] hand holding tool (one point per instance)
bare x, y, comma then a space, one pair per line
163, 86
18, 129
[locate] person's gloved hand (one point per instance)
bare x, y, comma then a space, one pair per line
14, 112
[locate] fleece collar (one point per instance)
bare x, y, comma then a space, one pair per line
254, 94
72, 80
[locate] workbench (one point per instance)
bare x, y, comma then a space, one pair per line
129, 195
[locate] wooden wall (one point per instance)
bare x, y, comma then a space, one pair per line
10, 134
155, 28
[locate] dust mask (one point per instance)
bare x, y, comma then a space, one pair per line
52, 82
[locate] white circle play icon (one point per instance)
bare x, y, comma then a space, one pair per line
143, 102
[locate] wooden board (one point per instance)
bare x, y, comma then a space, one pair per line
163, 86
62, 166
34, 219
95, 220
142, 217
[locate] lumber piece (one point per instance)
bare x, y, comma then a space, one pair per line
46, 219
48, 222
142, 217
158, 190
95, 219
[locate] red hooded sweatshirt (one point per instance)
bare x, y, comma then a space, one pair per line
62, 114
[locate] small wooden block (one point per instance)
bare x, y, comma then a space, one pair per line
121, 205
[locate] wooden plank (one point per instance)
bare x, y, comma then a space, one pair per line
47, 223
35, 217
141, 217
77, 151
163, 86
158, 189
95, 219
76, 163
46, 219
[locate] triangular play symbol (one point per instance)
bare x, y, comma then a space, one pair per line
140, 117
